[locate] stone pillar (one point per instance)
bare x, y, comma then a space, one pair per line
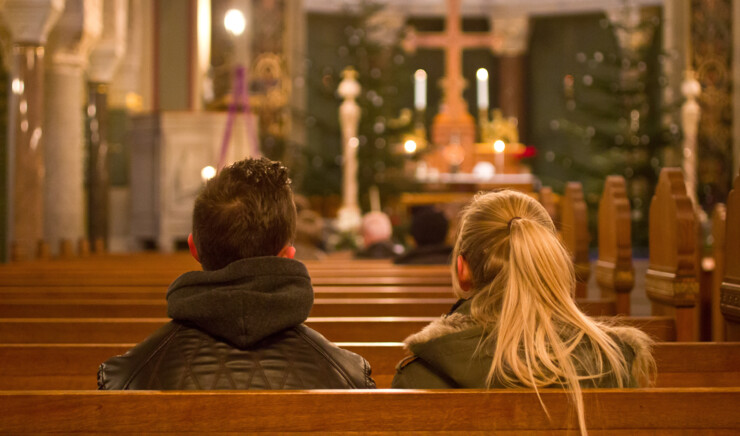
104, 61
29, 22
69, 46
512, 39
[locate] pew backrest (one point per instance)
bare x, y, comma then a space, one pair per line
574, 216
730, 290
615, 273
670, 281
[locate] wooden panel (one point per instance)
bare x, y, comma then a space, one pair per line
551, 202
73, 366
158, 308
719, 222
336, 329
671, 281
614, 271
575, 234
673, 409
730, 291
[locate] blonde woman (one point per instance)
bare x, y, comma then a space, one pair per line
517, 324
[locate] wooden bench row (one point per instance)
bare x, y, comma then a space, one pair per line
73, 366
336, 329
143, 308
631, 411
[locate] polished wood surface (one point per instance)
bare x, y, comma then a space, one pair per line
73, 366
615, 273
612, 411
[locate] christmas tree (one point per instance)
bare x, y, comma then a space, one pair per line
616, 119
370, 44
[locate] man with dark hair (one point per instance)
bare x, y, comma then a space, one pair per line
238, 324
429, 228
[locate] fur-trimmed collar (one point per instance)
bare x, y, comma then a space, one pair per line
446, 325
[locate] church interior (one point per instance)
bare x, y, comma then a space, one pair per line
115, 108
620, 117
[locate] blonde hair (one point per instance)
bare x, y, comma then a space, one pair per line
523, 285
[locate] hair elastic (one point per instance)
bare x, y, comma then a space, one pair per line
512, 220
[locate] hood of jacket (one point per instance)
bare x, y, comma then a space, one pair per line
449, 346
244, 302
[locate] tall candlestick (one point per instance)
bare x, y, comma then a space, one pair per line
499, 146
482, 75
420, 90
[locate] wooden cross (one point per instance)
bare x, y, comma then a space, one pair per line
453, 127
453, 41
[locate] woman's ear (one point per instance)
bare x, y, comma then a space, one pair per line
463, 274
193, 250
287, 252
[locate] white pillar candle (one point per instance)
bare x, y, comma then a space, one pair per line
420, 90
482, 75
499, 146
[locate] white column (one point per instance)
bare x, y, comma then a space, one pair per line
28, 22
349, 120
69, 46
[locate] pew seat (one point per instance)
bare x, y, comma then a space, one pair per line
621, 411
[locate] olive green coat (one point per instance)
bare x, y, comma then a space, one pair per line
444, 355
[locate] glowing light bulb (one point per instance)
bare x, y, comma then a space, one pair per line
234, 22
410, 146
207, 173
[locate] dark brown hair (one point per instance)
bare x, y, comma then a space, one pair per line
247, 210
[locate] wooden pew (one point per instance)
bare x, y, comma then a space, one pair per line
671, 281
336, 329
158, 308
615, 274
73, 366
628, 411
124, 277
574, 233
338, 304
719, 223
730, 289
8, 293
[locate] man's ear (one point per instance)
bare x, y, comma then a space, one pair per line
463, 274
193, 250
287, 252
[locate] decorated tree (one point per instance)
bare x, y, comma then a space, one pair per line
369, 43
616, 117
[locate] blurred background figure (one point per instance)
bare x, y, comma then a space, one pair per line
429, 228
376, 232
309, 236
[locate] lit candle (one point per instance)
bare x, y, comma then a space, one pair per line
482, 75
499, 146
420, 90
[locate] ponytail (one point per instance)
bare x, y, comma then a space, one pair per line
523, 286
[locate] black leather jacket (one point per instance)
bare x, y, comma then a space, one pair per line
240, 327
